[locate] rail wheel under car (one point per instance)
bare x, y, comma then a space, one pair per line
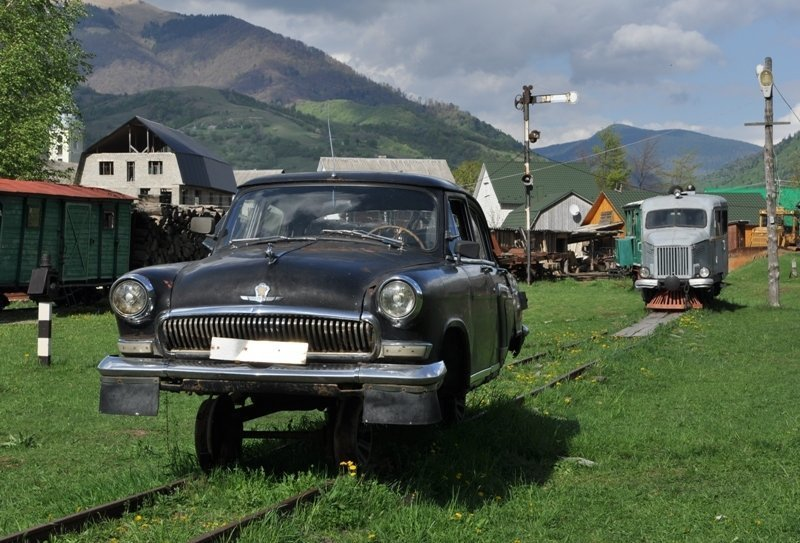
350, 439
217, 433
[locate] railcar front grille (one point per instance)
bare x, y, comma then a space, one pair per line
324, 335
673, 261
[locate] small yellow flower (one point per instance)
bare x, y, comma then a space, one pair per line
138, 518
568, 400
457, 516
371, 536
458, 475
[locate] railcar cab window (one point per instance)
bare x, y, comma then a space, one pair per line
398, 216
464, 224
670, 218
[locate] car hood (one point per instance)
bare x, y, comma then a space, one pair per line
309, 274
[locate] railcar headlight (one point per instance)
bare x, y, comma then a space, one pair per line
132, 298
704, 272
399, 300
644, 273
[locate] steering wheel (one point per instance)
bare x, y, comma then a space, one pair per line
397, 231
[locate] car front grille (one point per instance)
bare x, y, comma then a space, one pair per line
324, 335
672, 261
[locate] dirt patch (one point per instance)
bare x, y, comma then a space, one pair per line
740, 257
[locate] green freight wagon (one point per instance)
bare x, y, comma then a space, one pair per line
629, 247
83, 234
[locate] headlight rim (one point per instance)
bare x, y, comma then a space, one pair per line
402, 320
704, 272
147, 311
644, 272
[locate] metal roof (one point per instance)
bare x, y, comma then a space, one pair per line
550, 180
358, 177
424, 166
46, 188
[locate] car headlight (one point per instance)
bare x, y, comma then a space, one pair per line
400, 300
704, 272
644, 273
133, 298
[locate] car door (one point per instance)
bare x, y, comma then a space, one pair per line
482, 302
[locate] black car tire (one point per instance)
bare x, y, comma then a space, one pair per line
217, 433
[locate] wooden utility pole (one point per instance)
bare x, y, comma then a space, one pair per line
765, 79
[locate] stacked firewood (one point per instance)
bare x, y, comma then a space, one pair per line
165, 238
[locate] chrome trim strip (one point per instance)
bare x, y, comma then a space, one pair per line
483, 374
374, 374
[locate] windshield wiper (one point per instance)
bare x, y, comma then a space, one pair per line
246, 242
365, 235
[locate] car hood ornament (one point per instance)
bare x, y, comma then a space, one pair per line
262, 291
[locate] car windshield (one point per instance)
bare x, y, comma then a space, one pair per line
397, 216
668, 218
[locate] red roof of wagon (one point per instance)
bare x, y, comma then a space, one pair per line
45, 188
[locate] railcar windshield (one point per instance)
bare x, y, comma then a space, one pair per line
677, 217
398, 216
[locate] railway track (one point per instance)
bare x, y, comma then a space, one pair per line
118, 508
231, 531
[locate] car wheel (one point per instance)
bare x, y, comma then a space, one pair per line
217, 433
351, 439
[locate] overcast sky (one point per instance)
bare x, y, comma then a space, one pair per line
649, 63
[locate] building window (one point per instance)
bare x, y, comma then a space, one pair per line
155, 167
108, 220
606, 216
166, 197
106, 167
34, 216
131, 171
143, 192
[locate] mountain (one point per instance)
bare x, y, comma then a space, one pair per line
262, 100
749, 170
708, 152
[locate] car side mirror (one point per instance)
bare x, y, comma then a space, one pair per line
202, 225
468, 249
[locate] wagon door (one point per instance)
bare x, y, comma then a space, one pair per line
78, 257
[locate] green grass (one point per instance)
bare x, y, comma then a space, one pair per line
691, 434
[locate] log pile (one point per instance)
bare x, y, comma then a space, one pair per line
165, 238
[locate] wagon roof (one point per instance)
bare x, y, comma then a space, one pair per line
46, 188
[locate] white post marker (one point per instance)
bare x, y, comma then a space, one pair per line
45, 330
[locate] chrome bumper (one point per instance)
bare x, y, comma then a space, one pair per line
695, 282
372, 374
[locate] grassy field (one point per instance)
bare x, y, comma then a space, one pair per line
691, 434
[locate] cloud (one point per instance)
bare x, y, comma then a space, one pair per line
641, 54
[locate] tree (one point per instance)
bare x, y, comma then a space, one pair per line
684, 170
41, 63
610, 166
467, 173
645, 166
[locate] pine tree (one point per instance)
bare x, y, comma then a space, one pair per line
610, 168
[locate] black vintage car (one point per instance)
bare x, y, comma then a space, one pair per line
372, 296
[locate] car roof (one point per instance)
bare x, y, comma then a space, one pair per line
399, 178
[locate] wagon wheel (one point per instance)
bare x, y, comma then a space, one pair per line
217, 433
351, 440
397, 231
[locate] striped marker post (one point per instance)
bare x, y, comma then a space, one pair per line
45, 329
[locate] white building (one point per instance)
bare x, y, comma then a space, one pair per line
147, 160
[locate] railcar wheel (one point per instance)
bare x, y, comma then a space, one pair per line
453, 393
351, 439
217, 433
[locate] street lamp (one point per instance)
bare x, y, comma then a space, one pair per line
523, 102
